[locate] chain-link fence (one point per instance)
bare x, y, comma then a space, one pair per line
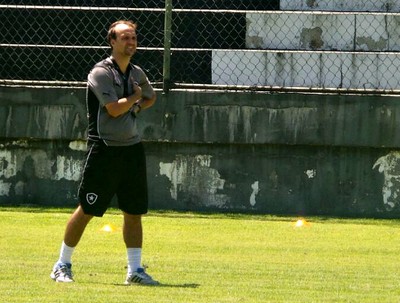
307, 45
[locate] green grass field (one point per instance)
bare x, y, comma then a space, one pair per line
204, 258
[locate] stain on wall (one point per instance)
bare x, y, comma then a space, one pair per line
389, 166
311, 173
311, 38
253, 197
27, 173
371, 44
192, 178
237, 123
311, 3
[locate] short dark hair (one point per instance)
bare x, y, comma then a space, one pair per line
111, 31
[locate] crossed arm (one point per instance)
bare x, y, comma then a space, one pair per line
135, 100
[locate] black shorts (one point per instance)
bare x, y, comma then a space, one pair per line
112, 170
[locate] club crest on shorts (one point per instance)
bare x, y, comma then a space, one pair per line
91, 198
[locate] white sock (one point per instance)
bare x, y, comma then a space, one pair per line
65, 253
134, 259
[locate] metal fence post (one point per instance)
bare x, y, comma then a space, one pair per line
167, 46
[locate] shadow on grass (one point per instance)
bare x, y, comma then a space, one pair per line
167, 285
366, 219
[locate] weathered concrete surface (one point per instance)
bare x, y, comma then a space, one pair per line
342, 5
301, 69
314, 49
42, 113
268, 153
41, 171
299, 180
323, 31
289, 119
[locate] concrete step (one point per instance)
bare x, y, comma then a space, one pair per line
323, 31
342, 5
347, 70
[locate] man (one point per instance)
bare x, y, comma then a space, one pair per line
116, 93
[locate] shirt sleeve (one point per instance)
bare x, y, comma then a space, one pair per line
100, 82
147, 88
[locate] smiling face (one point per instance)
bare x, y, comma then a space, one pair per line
124, 42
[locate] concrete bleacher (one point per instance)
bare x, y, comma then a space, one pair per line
323, 31
342, 5
317, 48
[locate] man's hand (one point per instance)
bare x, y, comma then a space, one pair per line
123, 105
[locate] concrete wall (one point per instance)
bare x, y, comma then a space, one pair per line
267, 153
323, 31
314, 49
305, 70
341, 5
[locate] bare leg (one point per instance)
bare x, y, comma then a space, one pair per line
132, 231
75, 227
73, 233
133, 237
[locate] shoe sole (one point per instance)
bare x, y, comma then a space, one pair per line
155, 283
53, 277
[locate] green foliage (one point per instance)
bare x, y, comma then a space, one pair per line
204, 258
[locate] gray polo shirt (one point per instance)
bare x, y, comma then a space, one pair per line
107, 84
